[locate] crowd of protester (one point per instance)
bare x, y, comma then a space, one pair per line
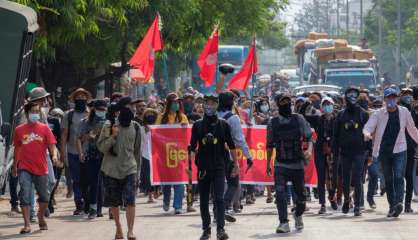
100, 147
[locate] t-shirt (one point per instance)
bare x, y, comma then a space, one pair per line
391, 133
172, 119
31, 142
75, 127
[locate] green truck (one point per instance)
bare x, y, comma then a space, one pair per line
17, 34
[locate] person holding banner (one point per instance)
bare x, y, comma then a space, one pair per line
226, 102
173, 114
209, 138
286, 134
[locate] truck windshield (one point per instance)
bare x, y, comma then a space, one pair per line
234, 56
347, 79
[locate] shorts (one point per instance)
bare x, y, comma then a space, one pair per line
26, 181
118, 192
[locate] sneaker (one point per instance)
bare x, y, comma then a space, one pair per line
15, 210
221, 235
346, 207
78, 212
92, 214
191, 209
357, 212
178, 211
206, 234
166, 207
298, 222
230, 218
390, 213
334, 205
408, 209
283, 228
398, 210
323, 210
99, 214
372, 204
415, 199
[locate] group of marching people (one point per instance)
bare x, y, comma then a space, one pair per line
101, 147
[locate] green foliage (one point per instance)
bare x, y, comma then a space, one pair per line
91, 34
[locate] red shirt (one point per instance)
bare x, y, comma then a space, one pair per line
31, 142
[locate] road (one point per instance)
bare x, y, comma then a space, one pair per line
256, 222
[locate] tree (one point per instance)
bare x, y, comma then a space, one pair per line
79, 39
312, 17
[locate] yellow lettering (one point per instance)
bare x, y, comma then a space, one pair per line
174, 155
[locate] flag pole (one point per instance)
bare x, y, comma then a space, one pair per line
253, 79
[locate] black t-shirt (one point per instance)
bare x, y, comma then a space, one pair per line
211, 156
391, 133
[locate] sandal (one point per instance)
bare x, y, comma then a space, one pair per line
119, 236
131, 238
25, 230
43, 227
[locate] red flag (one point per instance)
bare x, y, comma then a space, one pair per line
144, 56
208, 59
242, 78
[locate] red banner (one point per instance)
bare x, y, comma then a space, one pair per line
169, 160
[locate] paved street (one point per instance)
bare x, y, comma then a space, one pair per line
256, 222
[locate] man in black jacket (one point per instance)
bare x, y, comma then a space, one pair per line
209, 137
286, 133
350, 146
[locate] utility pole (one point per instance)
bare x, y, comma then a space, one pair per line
379, 2
328, 20
347, 20
398, 49
361, 18
338, 17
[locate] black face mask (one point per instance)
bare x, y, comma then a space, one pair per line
285, 110
125, 117
363, 104
80, 105
150, 119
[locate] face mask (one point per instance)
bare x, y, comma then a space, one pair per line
125, 117
406, 100
100, 114
364, 104
34, 117
391, 103
150, 119
188, 107
285, 110
264, 108
210, 111
174, 107
351, 100
45, 111
328, 108
80, 105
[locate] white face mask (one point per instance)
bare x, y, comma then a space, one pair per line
264, 108
34, 117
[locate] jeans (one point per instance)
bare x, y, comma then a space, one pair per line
74, 166
232, 189
394, 171
415, 178
14, 200
26, 182
374, 169
215, 178
178, 195
409, 176
352, 167
281, 177
95, 194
